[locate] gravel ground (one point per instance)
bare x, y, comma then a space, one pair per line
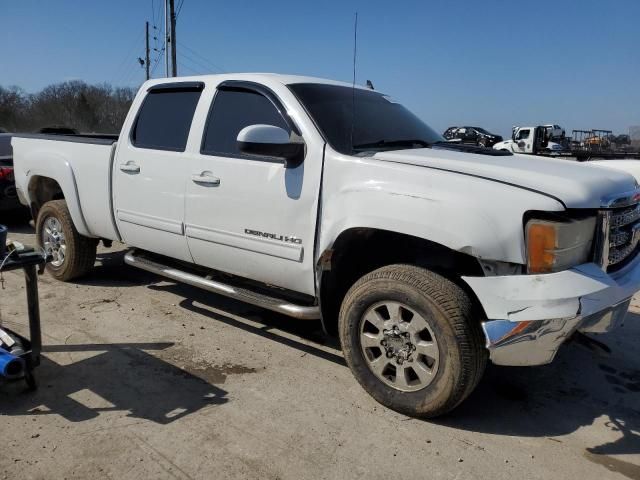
144, 378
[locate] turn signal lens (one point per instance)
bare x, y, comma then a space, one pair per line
541, 243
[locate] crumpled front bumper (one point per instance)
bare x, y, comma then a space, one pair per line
530, 316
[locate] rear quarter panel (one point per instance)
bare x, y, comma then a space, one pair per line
83, 171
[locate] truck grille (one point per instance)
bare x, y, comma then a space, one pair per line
623, 235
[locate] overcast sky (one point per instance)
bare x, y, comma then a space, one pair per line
488, 63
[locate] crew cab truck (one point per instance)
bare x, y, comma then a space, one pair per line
323, 201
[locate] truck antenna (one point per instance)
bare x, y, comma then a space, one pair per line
353, 86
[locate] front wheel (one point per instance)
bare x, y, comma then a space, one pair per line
411, 340
73, 255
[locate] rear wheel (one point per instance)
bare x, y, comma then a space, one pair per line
73, 255
411, 340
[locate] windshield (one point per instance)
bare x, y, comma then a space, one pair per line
380, 123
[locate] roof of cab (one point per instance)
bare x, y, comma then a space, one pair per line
255, 77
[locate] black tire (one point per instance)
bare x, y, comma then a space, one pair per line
455, 327
80, 251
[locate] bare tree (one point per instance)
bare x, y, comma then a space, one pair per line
13, 106
634, 134
73, 104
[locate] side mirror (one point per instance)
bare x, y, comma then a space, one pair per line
270, 141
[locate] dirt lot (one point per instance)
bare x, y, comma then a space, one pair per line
144, 378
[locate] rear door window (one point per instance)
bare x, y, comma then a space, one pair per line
164, 119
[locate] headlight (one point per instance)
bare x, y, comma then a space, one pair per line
553, 246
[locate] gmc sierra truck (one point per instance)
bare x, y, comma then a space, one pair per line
321, 200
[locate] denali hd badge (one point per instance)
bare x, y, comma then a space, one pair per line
273, 236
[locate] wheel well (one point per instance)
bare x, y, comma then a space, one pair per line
359, 251
41, 191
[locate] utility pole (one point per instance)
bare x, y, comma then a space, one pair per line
166, 40
172, 38
146, 58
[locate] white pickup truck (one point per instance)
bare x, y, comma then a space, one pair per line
322, 201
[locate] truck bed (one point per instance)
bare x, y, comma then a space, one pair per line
81, 165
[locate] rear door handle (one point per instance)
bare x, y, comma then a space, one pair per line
130, 167
205, 178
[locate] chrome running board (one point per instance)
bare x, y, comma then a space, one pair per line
300, 312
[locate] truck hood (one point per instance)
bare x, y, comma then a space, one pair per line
576, 185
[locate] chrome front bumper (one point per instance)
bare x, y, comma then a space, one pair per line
530, 316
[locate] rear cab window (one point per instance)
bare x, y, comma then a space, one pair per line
165, 116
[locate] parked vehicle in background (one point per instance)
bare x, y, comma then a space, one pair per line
543, 140
531, 140
426, 261
472, 135
9, 203
555, 133
591, 140
621, 141
597, 143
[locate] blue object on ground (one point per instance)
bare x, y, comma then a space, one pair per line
10, 365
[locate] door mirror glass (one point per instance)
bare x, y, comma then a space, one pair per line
270, 141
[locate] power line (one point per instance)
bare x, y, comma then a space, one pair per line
186, 67
146, 57
119, 72
194, 65
197, 62
155, 63
179, 9
159, 15
204, 59
132, 73
157, 32
157, 60
153, 13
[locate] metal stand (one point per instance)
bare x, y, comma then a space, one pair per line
29, 263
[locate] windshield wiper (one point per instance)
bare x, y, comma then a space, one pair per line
392, 144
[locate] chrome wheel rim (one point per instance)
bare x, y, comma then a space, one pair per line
53, 241
399, 346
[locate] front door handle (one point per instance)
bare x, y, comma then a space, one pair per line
205, 178
130, 167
